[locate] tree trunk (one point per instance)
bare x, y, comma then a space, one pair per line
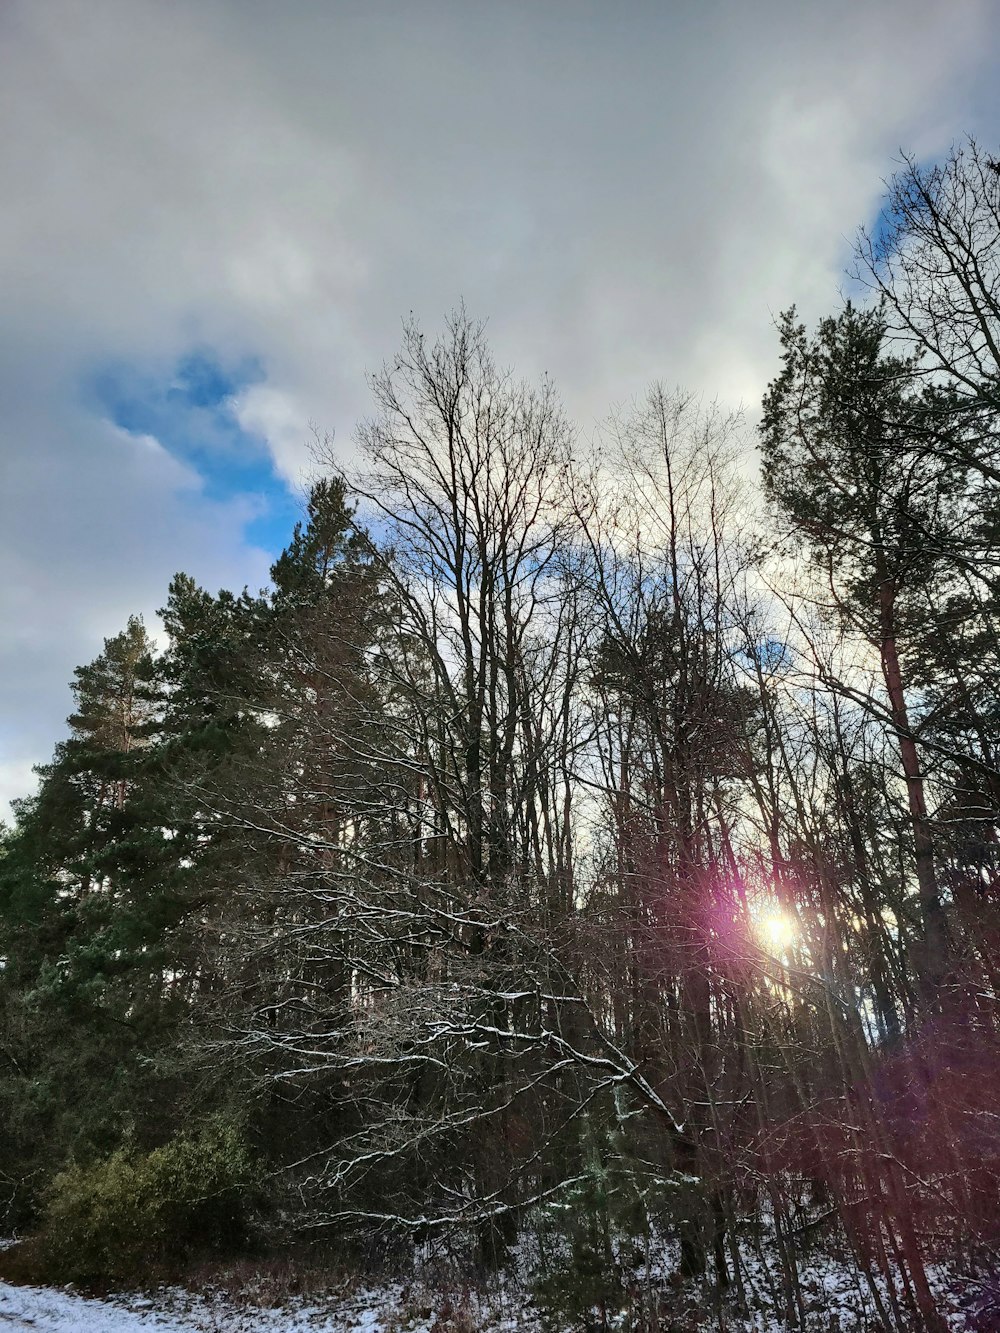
932, 957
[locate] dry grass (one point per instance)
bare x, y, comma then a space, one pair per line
270, 1282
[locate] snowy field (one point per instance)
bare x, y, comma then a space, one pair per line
392, 1310
46, 1310
835, 1300
834, 1305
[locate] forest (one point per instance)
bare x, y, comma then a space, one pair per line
585, 848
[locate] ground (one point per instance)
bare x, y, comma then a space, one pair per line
835, 1300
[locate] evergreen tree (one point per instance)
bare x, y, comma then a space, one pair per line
80, 925
853, 461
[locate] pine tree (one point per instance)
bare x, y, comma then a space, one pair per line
853, 460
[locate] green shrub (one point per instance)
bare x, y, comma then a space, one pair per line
590, 1240
114, 1218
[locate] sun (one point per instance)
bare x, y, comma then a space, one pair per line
776, 928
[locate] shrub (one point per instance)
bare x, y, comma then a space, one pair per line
590, 1240
114, 1218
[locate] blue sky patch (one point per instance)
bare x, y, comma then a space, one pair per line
188, 409
881, 227
770, 654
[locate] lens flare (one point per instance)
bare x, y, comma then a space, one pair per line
775, 927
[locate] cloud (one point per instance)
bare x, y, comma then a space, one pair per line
626, 194
96, 521
274, 416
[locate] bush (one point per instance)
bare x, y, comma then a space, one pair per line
590, 1241
115, 1218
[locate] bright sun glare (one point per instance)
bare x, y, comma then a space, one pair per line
775, 927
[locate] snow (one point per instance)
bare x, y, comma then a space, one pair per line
834, 1297
48, 1310
385, 1310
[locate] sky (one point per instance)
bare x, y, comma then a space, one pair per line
216, 214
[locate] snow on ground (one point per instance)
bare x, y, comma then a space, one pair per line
389, 1310
834, 1298
49, 1310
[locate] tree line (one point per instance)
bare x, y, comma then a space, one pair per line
562, 816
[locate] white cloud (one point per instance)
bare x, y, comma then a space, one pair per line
275, 417
627, 193
16, 779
